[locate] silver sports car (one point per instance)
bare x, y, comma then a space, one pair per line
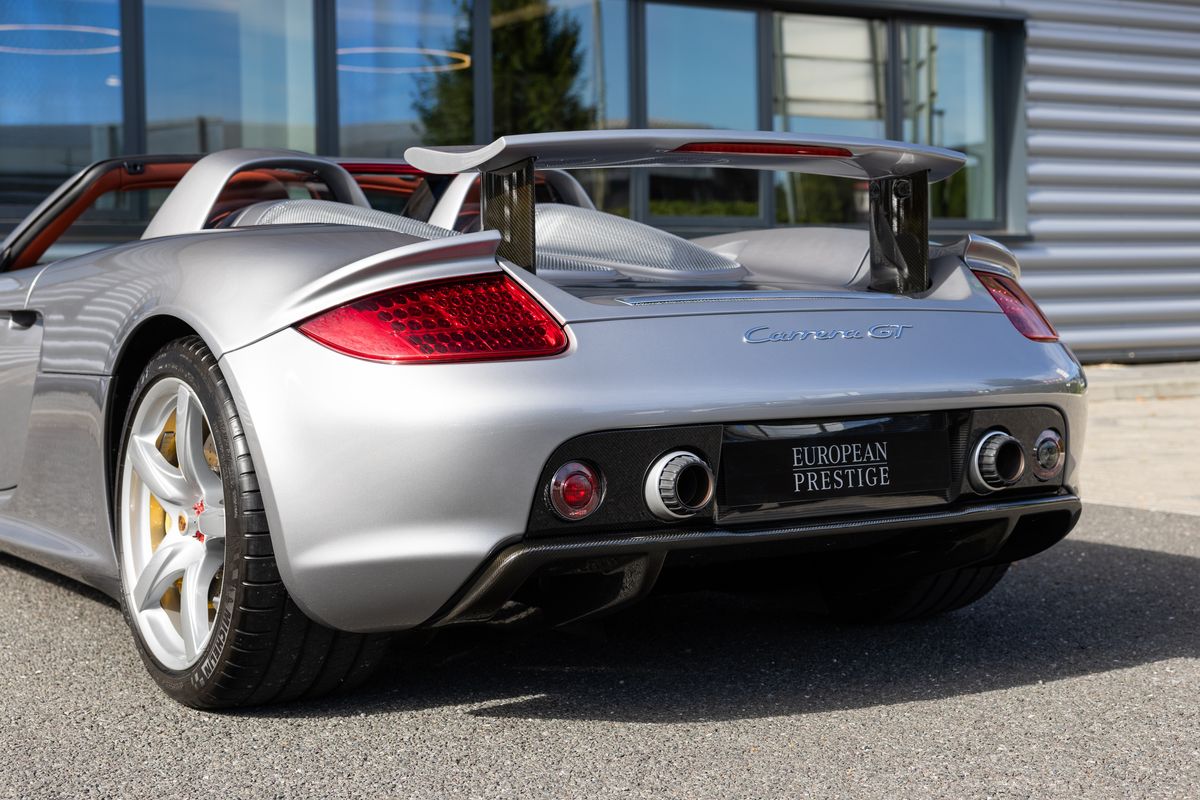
315, 402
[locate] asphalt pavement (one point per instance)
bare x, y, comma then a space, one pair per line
1077, 677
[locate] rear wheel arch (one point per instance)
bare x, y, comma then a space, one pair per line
139, 347
260, 647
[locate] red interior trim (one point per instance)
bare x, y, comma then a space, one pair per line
115, 180
362, 167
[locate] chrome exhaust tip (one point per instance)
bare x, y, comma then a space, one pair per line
997, 463
679, 485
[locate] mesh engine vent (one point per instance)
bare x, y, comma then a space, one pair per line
294, 212
573, 238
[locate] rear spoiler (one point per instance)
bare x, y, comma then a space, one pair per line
899, 176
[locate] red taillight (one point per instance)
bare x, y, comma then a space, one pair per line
1019, 307
757, 149
476, 318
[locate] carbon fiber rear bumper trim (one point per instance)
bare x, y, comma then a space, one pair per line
495, 583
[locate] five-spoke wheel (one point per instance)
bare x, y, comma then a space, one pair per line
200, 587
172, 523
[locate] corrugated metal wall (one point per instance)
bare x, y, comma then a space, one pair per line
1112, 100
1113, 114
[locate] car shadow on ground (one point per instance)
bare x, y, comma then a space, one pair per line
13, 564
1079, 609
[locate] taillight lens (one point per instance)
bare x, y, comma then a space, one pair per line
476, 318
1019, 307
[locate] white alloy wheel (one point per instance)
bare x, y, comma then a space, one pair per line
171, 520
211, 618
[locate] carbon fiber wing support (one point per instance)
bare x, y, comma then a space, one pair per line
899, 256
508, 201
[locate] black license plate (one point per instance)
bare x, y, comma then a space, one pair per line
859, 461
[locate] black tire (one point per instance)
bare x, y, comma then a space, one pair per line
923, 597
263, 648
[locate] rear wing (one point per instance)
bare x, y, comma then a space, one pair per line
899, 176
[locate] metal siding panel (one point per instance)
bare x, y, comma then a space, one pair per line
1052, 172
1110, 228
1086, 117
1131, 14
1131, 259
1073, 90
1102, 66
1107, 338
1112, 91
1118, 41
1064, 286
1083, 311
1115, 201
1075, 144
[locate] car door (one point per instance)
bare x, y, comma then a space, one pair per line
20, 346
104, 204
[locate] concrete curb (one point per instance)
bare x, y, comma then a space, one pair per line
1143, 382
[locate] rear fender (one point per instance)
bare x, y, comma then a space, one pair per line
233, 287
456, 255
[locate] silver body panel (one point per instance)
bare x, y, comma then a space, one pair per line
404, 440
20, 344
362, 463
58, 514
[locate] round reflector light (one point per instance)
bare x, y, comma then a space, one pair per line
1048, 454
575, 491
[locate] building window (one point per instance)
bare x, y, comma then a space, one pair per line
702, 72
222, 74
60, 95
563, 65
405, 75
948, 103
830, 77
559, 65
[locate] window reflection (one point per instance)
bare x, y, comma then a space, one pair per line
701, 73
608, 188
559, 65
562, 65
222, 74
948, 103
830, 75
60, 95
830, 78
405, 75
